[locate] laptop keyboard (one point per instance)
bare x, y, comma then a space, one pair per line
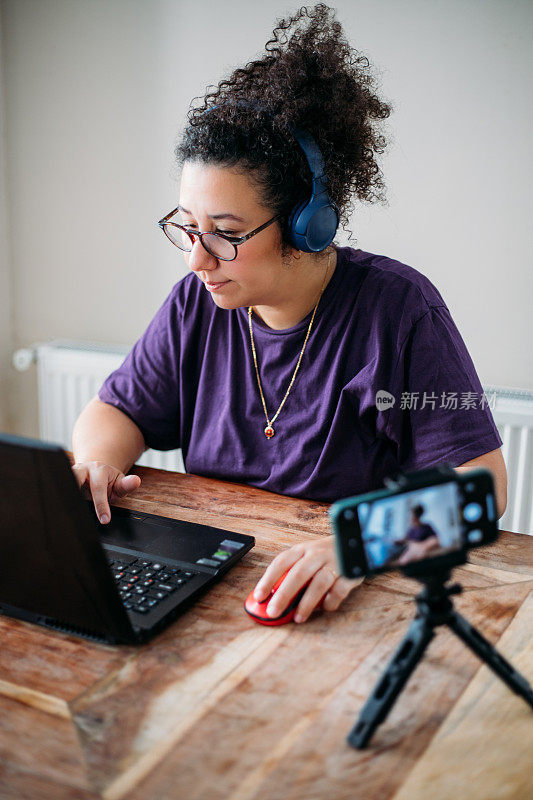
144, 584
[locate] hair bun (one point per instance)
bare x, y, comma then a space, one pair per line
311, 78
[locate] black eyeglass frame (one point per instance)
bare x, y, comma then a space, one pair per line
234, 240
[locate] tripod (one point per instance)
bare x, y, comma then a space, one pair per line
434, 607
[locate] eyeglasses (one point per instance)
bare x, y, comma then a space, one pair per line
217, 244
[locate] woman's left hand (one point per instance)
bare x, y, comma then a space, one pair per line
314, 561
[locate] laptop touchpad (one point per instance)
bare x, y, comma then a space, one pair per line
132, 533
128, 529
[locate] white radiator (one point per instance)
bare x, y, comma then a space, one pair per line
70, 373
513, 415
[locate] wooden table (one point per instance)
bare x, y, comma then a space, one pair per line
220, 707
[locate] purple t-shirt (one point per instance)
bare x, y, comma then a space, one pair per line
419, 533
380, 326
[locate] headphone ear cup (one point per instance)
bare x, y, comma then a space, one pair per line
322, 227
313, 225
296, 238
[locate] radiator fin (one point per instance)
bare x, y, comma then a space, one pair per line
512, 410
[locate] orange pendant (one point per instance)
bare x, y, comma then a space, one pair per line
269, 431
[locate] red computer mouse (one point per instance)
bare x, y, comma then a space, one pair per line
258, 610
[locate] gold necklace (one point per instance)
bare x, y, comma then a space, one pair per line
269, 430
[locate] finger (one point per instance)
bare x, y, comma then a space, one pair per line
125, 484
275, 570
338, 592
405, 558
99, 481
322, 581
298, 578
80, 473
290, 590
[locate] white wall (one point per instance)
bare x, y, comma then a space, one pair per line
6, 321
96, 92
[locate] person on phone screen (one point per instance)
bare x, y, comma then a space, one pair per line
420, 538
264, 361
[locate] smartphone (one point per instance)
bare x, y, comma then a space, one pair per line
425, 517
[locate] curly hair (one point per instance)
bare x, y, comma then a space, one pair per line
309, 78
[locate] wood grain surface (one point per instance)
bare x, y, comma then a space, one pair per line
220, 707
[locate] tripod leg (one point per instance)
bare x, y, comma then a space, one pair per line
391, 683
487, 653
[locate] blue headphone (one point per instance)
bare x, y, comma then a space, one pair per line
313, 223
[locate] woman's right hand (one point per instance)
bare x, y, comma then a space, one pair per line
103, 483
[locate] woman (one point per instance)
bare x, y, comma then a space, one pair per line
420, 538
264, 362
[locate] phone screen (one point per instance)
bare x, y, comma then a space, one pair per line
411, 526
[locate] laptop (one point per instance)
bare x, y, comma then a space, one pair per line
119, 583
